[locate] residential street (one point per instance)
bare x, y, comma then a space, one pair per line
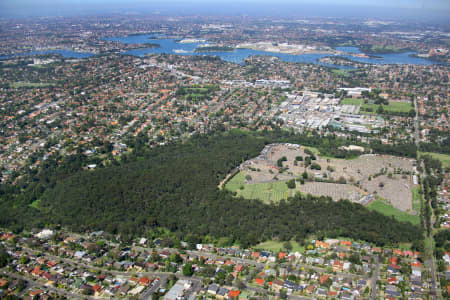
430, 263
59, 291
374, 279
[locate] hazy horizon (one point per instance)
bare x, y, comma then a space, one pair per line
418, 10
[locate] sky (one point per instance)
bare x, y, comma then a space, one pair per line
397, 9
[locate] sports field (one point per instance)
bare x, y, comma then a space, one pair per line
389, 210
394, 106
351, 101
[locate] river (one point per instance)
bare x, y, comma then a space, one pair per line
172, 46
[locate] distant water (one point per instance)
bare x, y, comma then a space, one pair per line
387, 59
171, 46
64, 53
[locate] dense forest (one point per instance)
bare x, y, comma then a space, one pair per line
437, 146
175, 187
442, 239
4, 257
434, 177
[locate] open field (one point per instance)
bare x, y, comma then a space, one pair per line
404, 246
30, 84
277, 245
340, 72
394, 106
236, 182
389, 210
444, 158
351, 101
417, 199
267, 191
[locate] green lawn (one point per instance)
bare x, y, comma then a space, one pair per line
389, 210
340, 72
351, 101
43, 66
417, 199
29, 84
404, 246
197, 90
35, 204
275, 246
236, 182
444, 158
313, 150
429, 246
273, 191
394, 106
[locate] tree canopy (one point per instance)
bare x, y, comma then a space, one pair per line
176, 187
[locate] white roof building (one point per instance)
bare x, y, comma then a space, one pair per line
45, 234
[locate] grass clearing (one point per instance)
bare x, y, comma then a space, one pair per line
35, 204
313, 150
389, 210
340, 72
43, 66
275, 246
444, 158
30, 84
236, 182
393, 106
417, 199
351, 101
428, 246
266, 192
405, 246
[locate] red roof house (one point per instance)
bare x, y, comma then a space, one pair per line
233, 294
